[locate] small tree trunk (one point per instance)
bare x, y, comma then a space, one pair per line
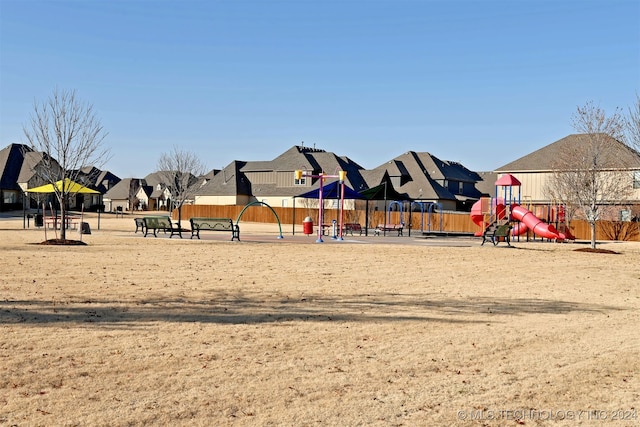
63, 215
180, 219
593, 234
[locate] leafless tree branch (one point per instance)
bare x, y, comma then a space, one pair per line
180, 171
70, 136
593, 173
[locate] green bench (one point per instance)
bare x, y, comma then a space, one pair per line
497, 233
164, 223
139, 224
214, 224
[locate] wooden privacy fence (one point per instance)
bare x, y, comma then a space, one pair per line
451, 221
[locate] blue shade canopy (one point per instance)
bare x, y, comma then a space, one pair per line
332, 191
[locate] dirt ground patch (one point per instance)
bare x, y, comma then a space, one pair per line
131, 331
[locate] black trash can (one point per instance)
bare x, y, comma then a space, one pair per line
38, 220
84, 228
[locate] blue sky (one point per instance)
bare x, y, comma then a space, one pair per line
479, 82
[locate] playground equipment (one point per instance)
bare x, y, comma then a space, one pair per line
263, 204
425, 207
298, 174
490, 214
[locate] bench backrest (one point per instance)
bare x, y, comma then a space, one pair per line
503, 230
353, 226
223, 224
139, 221
157, 222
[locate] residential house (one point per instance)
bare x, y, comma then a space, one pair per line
273, 182
95, 179
19, 171
123, 196
535, 169
423, 177
155, 195
11, 161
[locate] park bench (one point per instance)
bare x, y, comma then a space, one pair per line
389, 228
214, 224
497, 232
163, 223
139, 224
351, 227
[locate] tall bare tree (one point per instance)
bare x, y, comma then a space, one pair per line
632, 122
70, 136
180, 171
592, 174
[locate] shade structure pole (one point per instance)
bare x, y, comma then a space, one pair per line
320, 211
341, 208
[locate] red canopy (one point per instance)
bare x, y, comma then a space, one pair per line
508, 179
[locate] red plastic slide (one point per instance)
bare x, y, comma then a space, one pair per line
477, 215
535, 224
519, 229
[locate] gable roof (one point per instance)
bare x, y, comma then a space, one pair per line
229, 181
233, 179
418, 173
120, 191
11, 161
487, 184
542, 160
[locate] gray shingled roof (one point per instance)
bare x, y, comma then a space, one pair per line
487, 183
11, 161
120, 191
229, 181
542, 160
419, 172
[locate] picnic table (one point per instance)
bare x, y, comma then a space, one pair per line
56, 222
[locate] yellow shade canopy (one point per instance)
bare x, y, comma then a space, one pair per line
65, 185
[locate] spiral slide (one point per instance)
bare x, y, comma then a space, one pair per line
535, 224
478, 218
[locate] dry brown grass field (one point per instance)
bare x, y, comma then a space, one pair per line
382, 331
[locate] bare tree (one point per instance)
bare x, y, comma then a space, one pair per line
70, 136
592, 174
632, 122
132, 196
180, 171
632, 125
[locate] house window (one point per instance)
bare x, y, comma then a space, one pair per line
9, 197
461, 188
301, 181
636, 179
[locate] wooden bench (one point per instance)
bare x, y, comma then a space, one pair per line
352, 227
163, 223
214, 224
497, 233
139, 224
381, 228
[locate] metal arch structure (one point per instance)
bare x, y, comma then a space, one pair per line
421, 205
263, 204
430, 209
400, 209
